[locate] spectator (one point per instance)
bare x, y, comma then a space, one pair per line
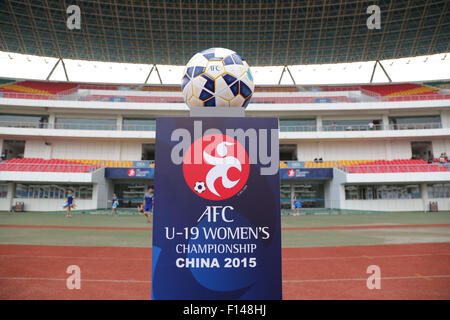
430, 157
320, 160
441, 158
445, 157
334, 126
371, 125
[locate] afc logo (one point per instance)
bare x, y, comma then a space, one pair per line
223, 168
215, 68
131, 172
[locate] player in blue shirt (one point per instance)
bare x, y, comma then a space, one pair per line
297, 206
115, 204
69, 204
148, 204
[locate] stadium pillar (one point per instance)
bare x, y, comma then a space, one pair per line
385, 122
319, 123
424, 195
51, 121
11, 192
119, 121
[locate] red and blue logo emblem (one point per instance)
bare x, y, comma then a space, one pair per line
216, 167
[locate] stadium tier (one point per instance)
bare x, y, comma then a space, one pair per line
394, 166
38, 87
286, 94
342, 147
404, 89
43, 165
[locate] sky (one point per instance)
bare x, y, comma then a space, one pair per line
421, 68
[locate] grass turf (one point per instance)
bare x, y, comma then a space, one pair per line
292, 238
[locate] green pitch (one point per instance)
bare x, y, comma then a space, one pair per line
142, 236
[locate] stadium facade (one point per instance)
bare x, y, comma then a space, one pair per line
354, 147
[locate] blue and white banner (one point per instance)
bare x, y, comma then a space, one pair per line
142, 164
134, 173
307, 173
217, 232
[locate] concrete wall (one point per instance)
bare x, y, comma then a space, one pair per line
353, 150
83, 149
384, 205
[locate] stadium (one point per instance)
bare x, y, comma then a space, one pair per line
364, 131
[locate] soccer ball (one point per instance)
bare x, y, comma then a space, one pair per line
199, 186
217, 77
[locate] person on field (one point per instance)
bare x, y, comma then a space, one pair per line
148, 204
69, 204
297, 205
115, 204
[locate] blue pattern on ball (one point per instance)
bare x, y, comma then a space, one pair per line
217, 75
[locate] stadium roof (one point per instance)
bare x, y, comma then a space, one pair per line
262, 31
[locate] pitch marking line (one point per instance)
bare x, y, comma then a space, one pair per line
355, 227
69, 257
284, 259
369, 257
365, 279
83, 280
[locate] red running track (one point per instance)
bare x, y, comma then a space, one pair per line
410, 271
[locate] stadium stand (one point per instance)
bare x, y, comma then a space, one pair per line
42, 165
39, 87
394, 166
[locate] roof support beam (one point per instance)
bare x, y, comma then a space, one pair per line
64, 67
149, 74
382, 68
159, 76
290, 74
281, 77
53, 69
389, 78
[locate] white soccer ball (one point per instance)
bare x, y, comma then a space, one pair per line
199, 186
217, 77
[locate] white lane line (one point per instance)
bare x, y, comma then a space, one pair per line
369, 256
70, 257
83, 280
365, 279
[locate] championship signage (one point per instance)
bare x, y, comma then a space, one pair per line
217, 231
307, 173
143, 173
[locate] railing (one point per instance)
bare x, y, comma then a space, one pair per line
20, 124
394, 168
73, 95
139, 127
353, 127
85, 126
414, 126
152, 127
297, 128
48, 167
